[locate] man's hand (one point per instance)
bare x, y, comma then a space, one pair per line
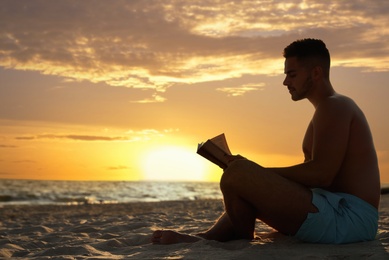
231, 158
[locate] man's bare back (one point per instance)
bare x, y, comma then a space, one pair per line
359, 173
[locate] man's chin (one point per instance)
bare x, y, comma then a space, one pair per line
294, 98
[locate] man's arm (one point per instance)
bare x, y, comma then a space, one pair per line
331, 130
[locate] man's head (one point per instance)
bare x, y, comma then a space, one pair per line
310, 53
307, 65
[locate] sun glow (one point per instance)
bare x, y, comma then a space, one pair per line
173, 163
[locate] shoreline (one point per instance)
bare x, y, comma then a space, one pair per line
123, 231
6, 201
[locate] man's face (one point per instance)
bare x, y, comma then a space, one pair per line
298, 80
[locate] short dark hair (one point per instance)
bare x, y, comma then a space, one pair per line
310, 52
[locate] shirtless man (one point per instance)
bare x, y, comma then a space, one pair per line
330, 198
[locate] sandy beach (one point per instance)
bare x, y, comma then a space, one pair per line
122, 231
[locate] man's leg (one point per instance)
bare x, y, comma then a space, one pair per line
252, 192
221, 231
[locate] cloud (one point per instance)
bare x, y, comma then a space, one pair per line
7, 146
84, 137
24, 161
154, 99
130, 136
78, 137
118, 168
240, 91
25, 137
155, 44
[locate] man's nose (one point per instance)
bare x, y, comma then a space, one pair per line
285, 82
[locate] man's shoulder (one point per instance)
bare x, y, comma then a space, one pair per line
336, 103
338, 100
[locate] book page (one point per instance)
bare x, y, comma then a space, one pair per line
213, 153
221, 141
215, 150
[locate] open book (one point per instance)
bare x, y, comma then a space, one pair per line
214, 150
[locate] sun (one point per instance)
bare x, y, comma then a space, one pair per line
173, 163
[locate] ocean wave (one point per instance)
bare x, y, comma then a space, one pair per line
102, 192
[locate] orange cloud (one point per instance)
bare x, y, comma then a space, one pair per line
240, 91
131, 136
156, 44
7, 146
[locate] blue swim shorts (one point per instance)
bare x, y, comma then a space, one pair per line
342, 218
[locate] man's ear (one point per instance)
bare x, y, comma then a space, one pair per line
317, 73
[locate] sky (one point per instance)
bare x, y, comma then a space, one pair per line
125, 90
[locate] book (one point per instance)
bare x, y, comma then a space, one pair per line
215, 150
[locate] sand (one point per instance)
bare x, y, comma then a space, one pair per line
122, 231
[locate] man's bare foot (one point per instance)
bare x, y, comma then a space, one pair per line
166, 237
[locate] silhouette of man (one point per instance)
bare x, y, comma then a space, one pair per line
332, 197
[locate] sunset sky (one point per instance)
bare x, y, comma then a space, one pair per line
125, 90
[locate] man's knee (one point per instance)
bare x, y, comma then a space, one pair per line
234, 174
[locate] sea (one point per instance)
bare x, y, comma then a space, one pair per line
43, 192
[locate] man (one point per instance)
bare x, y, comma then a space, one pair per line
330, 198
